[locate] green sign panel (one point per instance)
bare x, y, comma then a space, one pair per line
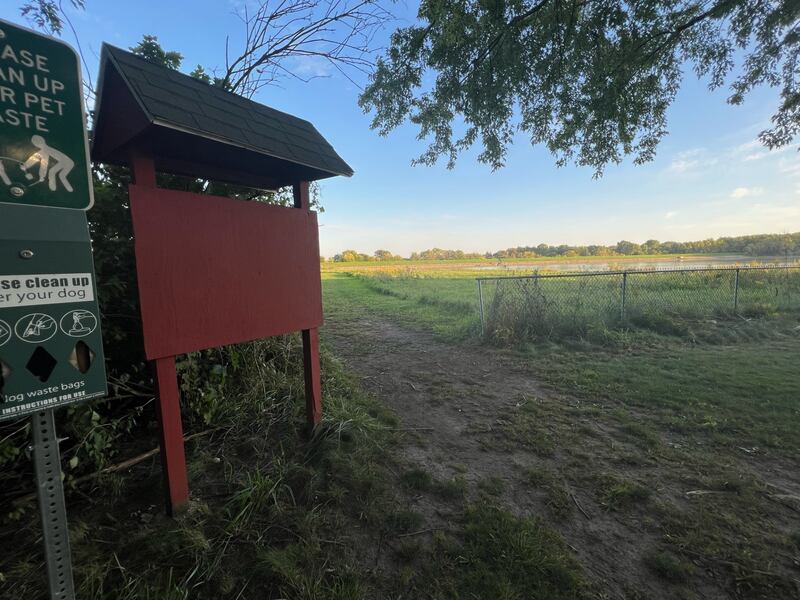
51, 345
44, 159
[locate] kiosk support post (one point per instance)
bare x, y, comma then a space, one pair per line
173, 457
313, 386
310, 336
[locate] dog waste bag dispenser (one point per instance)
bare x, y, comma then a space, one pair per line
51, 347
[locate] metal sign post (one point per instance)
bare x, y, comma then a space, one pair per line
47, 460
51, 346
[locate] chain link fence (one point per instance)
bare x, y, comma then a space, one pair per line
567, 304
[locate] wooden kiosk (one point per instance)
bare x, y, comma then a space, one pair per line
212, 270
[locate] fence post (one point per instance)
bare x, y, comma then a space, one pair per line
624, 293
480, 298
736, 293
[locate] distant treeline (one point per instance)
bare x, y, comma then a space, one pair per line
768, 244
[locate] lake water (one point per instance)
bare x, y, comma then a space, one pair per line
623, 264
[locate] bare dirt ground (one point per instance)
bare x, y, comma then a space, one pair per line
477, 413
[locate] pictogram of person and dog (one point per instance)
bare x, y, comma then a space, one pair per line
54, 166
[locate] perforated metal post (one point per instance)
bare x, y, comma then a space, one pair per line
480, 296
624, 295
47, 462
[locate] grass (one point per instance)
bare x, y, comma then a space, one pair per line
734, 395
273, 513
724, 379
558, 500
504, 557
406, 265
276, 514
409, 301
492, 486
650, 412
665, 303
680, 424
668, 567
618, 494
419, 480
446, 300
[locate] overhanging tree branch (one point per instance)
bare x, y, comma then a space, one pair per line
591, 81
337, 32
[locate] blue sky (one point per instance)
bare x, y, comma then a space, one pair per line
711, 177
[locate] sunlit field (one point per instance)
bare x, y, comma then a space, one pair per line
695, 404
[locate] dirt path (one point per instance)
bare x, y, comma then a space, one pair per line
461, 402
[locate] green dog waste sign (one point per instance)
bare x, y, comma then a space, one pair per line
43, 148
51, 345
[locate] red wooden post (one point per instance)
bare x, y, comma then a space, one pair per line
300, 191
313, 386
143, 169
310, 337
173, 459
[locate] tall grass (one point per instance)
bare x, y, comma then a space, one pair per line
578, 306
264, 496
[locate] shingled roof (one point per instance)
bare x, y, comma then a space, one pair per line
196, 129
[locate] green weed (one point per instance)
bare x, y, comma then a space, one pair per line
493, 486
667, 566
619, 494
505, 557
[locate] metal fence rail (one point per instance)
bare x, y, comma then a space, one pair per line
546, 304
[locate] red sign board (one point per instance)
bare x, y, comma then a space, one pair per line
214, 271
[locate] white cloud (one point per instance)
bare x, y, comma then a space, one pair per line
670, 214
312, 66
746, 192
791, 211
690, 161
790, 167
755, 150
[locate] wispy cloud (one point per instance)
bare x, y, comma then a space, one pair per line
785, 211
690, 161
671, 214
755, 150
746, 192
790, 166
311, 66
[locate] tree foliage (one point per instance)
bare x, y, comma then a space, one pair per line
779, 244
47, 14
785, 245
591, 80
150, 49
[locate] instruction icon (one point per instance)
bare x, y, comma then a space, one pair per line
35, 328
78, 323
53, 164
5, 332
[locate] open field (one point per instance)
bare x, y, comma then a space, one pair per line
664, 455
580, 305
638, 462
505, 266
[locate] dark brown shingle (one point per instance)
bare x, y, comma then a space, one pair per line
172, 100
